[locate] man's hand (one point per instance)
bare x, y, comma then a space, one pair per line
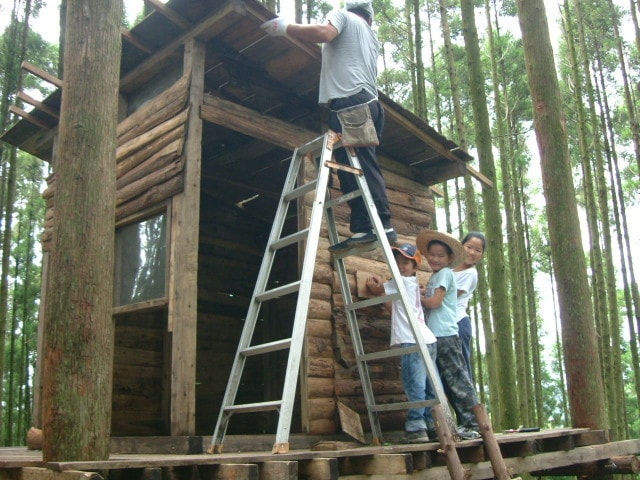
276, 27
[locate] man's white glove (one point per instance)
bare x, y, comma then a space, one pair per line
276, 27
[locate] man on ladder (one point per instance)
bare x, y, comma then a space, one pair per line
348, 78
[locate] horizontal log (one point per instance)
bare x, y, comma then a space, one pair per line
319, 327
320, 309
321, 291
142, 119
249, 122
320, 387
144, 184
320, 367
383, 464
320, 408
352, 388
151, 197
323, 273
150, 136
322, 426
319, 346
174, 137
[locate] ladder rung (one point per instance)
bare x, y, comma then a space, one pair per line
289, 239
301, 190
346, 168
389, 407
343, 198
254, 407
266, 347
369, 302
279, 292
392, 352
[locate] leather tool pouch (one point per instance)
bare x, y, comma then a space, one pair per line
358, 129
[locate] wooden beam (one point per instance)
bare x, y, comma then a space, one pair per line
38, 72
133, 40
236, 471
39, 105
169, 14
277, 470
319, 469
433, 143
29, 118
249, 122
476, 174
618, 465
35, 473
384, 464
183, 263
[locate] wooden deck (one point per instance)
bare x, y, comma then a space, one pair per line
548, 452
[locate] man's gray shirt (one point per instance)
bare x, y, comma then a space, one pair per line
349, 61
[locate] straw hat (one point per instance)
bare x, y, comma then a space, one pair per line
426, 236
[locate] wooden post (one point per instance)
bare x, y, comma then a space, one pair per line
183, 276
500, 470
447, 445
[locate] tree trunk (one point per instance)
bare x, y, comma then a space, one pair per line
78, 345
578, 328
493, 220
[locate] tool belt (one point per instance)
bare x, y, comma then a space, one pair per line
358, 129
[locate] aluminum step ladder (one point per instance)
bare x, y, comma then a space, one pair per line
320, 150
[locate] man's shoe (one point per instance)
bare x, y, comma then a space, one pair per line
467, 433
392, 236
356, 240
433, 435
362, 238
419, 436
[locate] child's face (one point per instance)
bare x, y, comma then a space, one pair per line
438, 257
474, 250
406, 266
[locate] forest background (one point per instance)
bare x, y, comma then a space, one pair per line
519, 359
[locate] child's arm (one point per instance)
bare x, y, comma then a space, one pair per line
375, 286
435, 301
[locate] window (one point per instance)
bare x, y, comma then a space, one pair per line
141, 261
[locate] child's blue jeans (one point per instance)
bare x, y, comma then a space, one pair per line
414, 380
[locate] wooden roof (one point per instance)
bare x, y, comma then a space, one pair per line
273, 76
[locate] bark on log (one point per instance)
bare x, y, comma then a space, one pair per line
322, 408
149, 167
319, 347
319, 327
147, 183
132, 161
174, 98
320, 387
146, 138
152, 197
321, 291
320, 367
320, 309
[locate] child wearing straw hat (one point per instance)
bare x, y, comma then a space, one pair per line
444, 252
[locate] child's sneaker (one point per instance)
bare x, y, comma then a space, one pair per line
419, 436
467, 433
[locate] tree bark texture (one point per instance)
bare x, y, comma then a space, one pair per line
578, 328
78, 344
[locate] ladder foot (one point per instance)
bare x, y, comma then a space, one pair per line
280, 447
377, 441
215, 449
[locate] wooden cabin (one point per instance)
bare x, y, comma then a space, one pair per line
210, 111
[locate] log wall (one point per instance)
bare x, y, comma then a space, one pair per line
331, 373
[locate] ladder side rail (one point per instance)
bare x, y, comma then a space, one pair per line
352, 322
302, 305
237, 367
434, 378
